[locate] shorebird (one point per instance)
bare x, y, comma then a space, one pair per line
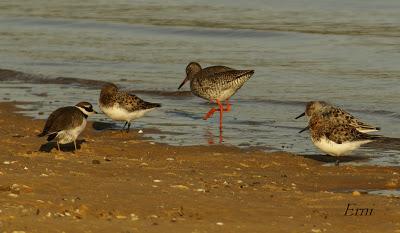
338, 115
66, 123
123, 106
333, 136
215, 84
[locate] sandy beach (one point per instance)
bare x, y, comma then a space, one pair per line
120, 182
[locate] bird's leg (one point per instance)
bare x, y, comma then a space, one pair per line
75, 144
228, 106
58, 146
129, 126
124, 126
337, 163
221, 110
210, 113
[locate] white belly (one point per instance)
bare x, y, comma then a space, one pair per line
120, 114
70, 135
335, 149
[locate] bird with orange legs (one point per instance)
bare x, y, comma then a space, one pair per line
215, 84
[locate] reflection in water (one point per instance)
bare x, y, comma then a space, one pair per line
210, 138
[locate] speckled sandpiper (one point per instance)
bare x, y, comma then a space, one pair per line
337, 114
332, 136
123, 106
215, 83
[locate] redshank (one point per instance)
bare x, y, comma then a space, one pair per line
215, 84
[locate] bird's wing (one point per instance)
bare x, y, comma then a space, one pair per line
211, 70
63, 118
336, 131
133, 103
343, 117
224, 79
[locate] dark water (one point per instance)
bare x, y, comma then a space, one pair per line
344, 52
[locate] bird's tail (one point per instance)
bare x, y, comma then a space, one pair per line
154, 105
51, 136
42, 134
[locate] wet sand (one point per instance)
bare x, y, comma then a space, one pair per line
120, 182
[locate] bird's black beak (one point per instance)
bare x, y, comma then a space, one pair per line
95, 112
301, 115
306, 128
184, 81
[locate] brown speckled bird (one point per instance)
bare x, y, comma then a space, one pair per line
123, 106
333, 136
337, 114
215, 84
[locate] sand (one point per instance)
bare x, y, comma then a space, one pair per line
118, 182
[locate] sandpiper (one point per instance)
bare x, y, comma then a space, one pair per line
66, 123
215, 83
338, 115
335, 138
123, 106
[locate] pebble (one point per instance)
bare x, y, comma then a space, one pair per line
134, 217
315, 230
180, 186
220, 223
13, 195
170, 159
18, 231
140, 131
356, 193
157, 181
43, 174
121, 217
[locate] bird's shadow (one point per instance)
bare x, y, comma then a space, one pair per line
47, 147
101, 126
332, 159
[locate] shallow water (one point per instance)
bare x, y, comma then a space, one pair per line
344, 52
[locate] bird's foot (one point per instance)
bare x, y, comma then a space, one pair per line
209, 114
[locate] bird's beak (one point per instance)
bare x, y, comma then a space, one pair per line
95, 112
306, 128
184, 81
301, 115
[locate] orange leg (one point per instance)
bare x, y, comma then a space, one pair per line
228, 106
221, 110
210, 113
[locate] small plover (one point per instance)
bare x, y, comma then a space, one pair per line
215, 83
338, 115
335, 137
66, 123
123, 106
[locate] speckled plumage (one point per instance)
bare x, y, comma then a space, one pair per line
338, 115
215, 82
334, 136
123, 106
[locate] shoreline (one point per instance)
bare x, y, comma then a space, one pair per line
121, 183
